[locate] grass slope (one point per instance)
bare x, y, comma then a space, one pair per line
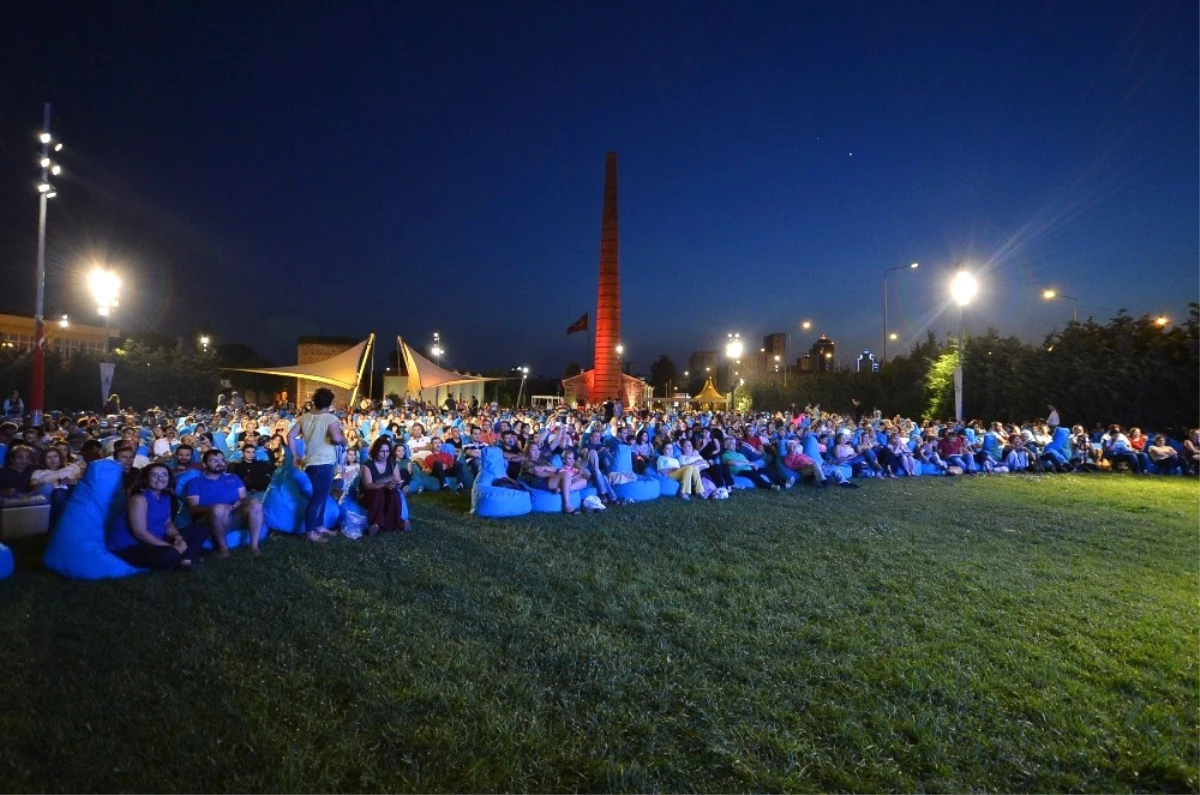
1008, 633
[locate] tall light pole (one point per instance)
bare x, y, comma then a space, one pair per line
886, 271
437, 352
963, 287
106, 289
733, 350
1050, 295
37, 391
524, 371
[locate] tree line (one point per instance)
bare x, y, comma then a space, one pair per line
1129, 370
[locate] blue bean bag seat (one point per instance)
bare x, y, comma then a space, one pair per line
6, 562
287, 497
642, 488
812, 449
544, 501
76, 547
492, 501
667, 487
1058, 452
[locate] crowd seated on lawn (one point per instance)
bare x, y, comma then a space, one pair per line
562, 450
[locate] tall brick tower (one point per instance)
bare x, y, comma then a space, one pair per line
606, 380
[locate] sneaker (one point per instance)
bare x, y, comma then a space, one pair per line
683, 496
848, 485
790, 482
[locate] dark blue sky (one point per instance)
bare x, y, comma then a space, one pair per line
405, 168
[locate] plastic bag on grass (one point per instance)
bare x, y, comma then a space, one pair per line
353, 524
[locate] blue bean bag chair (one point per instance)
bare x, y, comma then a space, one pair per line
492, 501
1059, 450
6, 562
643, 488
544, 501
76, 547
287, 497
666, 486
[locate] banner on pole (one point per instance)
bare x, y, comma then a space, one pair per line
106, 376
958, 396
579, 325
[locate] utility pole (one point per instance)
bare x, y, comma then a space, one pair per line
37, 392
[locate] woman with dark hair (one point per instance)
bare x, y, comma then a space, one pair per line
320, 431
144, 535
381, 489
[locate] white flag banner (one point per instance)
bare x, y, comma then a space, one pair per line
106, 376
958, 390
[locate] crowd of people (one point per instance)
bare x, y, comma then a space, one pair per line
382, 453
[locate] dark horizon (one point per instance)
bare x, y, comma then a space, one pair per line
422, 170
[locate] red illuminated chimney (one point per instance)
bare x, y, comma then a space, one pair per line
606, 379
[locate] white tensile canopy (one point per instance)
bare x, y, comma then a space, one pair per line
424, 374
343, 370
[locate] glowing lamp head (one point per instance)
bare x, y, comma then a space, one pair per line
806, 325
1161, 321
44, 138
915, 265
963, 288
734, 348
893, 336
1049, 295
105, 286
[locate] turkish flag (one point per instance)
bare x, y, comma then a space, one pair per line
579, 325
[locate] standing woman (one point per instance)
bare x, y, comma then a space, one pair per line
320, 430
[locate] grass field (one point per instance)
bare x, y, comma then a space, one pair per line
1005, 634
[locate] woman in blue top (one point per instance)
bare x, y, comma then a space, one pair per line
144, 535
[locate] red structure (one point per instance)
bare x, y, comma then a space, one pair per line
606, 380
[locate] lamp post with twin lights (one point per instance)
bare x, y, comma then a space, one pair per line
963, 287
886, 271
733, 350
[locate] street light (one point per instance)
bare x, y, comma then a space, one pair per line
886, 271
204, 341
733, 349
1161, 321
963, 287
524, 371
64, 322
1050, 295
620, 358
37, 390
106, 288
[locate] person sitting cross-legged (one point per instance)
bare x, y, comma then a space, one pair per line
219, 499
144, 534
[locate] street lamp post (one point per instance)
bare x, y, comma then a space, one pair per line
733, 350
524, 371
886, 271
1050, 295
37, 391
106, 288
437, 352
963, 288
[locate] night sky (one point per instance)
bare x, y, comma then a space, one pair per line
273, 171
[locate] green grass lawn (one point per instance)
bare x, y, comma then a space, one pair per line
1004, 634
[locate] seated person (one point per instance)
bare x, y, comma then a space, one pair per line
537, 468
510, 447
568, 478
595, 454
54, 478
183, 460
901, 457
438, 464
796, 461
1117, 449
846, 454
1163, 455
163, 439
144, 535
687, 476
1191, 451
17, 473
255, 474
219, 499
420, 444
954, 451
927, 453
344, 474
472, 456
381, 489
740, 465
125, 453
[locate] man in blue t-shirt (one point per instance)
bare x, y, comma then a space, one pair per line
220, 499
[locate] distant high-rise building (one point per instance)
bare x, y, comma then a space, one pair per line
775, 344
866, 363
805, 363
824, 354
702, 362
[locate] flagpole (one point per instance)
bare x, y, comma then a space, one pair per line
589, 343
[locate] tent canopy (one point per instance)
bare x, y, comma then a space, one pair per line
709, 394
424, 374
340, 371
